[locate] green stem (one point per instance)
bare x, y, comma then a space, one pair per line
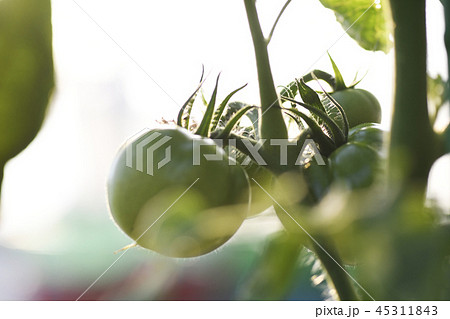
412, 139
446, 4
339, 278
2, 168
277, 20
272, 124
321, 75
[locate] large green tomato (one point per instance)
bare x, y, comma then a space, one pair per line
360, 106
183, 209
355, 165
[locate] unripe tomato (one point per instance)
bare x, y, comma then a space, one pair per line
355, 165
183, 209
369, 134
318, 178
360, 106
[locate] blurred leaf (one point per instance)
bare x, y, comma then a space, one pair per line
26, 72
271, 278
364, 21
437, 95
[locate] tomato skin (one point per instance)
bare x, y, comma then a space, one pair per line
360, 106
369, 134
201, 220
318, 178
355, 165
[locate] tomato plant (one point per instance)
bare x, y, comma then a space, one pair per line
343, 125
183, 191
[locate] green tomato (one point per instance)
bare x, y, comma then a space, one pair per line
183, 209
26, 72
318, 179
355, 165
360, 106
369, 134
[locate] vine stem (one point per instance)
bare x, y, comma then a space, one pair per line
446, 4
272, 124
339, 278
277, 20
2, 168
412, 138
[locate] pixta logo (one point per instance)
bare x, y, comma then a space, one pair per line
146, 146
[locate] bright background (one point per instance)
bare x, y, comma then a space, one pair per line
121, 66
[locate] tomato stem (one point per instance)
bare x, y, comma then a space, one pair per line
446, 4
412, 138
2, 168
272, 124
277, 20
339, 278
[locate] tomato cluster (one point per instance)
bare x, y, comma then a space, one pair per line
186, 209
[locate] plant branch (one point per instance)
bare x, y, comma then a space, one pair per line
339, 278
446, 4
412, 146
276, 21
272, 124
2, 168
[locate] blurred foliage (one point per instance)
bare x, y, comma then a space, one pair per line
26, 72
272, 274
364, 20
437, 95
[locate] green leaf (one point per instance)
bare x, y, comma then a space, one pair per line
234, 120
26, 72
309, 96
203, 129
326, 144
288, 91
437, 95
221, 108
204, 101
291, 89
339, 107
184, 114
253, 115
340, 83
321, 75
364, 21
273, 273
338, 136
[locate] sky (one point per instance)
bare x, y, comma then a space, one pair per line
123, 65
